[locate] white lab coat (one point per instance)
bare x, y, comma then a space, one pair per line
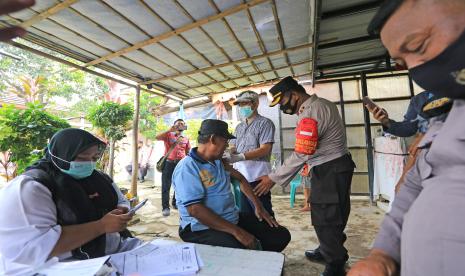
29, 229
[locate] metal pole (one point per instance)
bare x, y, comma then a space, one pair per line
410, 85
366, 117
341, 103
316, 37
135, 139
281, 144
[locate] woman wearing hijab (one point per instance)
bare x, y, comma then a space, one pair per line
62, 206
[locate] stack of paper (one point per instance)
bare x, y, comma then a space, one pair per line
157, 260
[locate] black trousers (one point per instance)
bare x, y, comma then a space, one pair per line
330, 202
271, 238
166, 176
247, 205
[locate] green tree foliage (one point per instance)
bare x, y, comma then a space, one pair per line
23, 131
193, 127
149, 125
55, 78
112, 120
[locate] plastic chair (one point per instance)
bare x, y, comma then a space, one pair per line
236, 191
294, 184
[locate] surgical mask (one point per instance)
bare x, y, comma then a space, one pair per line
245, 111
445, 74
288, 107
77, 169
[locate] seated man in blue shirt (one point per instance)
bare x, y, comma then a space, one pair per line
208, 214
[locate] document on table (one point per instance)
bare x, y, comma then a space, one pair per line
157, 260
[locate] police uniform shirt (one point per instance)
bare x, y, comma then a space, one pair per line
426, 225
320, 137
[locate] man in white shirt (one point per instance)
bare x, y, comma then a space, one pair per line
251, 150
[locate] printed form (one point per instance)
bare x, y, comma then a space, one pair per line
157, 260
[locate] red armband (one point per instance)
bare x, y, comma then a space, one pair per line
306, 136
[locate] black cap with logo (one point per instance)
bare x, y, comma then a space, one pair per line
277, 91
384, 12
215, 127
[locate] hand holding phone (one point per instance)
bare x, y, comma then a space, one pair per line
369, 103
133, 210
380, 114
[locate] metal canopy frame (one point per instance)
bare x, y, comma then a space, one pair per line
188, 48
182, 48
351, 49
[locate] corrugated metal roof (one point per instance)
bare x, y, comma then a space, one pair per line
344, 45
189, 48
185, 48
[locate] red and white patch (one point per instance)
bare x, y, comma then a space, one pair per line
306, 135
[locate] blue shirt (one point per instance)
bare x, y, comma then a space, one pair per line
414, 121
199, 181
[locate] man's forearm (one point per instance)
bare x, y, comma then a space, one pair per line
162, 135
402, 129
291, 166
209, 218
247, 190
262, 151
74, 236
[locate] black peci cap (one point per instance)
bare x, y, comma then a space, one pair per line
216, 127
382, 15
277, 91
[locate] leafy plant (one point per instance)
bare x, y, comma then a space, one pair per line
30, 89
112, 120
24, 134
51, 79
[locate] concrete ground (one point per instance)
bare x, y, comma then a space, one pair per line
363, 225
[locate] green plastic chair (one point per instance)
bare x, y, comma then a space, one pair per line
236, 187
294, 184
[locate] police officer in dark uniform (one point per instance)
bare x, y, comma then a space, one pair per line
320, 142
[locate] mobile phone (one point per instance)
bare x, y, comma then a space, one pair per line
369, 103
133, 210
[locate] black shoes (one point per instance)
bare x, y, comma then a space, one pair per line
334, 270
315, 256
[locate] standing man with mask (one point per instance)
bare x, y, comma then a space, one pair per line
424, 233
321, 142
173, 138
251, 150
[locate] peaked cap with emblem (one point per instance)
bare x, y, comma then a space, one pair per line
278, 90
382, 15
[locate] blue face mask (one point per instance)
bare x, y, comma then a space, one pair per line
77, 169
245, 111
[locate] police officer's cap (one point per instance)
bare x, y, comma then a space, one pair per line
277, 91
384, 12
